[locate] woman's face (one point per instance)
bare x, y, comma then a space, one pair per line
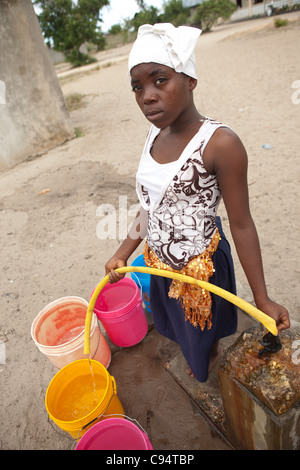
163, 95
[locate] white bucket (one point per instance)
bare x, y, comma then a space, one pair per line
58, 332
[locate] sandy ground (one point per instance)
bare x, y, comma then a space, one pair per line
50, 247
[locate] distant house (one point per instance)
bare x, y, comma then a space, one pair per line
192, 4
249, 8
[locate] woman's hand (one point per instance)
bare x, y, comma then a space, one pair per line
277, 312
113, 264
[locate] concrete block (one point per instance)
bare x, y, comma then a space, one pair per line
261, 395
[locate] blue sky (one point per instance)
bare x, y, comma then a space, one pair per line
121, 9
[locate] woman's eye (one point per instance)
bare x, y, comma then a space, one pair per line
158, 81
136, 88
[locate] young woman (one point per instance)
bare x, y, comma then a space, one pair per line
189, 162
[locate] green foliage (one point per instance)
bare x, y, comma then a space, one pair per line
67, 25
79, 132
278, 22
145, 16
74, 101
141, 4
210, 10
174, 13
115, 29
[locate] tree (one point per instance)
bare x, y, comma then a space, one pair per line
174, 13
141, 4
210, 10
145, 16
67, 25
115, 29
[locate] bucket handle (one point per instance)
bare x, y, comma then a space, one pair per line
130, 419
137, 281
114, 386
139, 284
100, 333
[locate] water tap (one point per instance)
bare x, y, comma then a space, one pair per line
271, 344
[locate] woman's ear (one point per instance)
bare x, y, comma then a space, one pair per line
192, 83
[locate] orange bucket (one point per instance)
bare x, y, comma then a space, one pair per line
81, 394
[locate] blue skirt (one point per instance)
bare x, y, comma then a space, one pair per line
169, 317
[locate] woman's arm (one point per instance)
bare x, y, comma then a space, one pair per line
225, 155
135, 236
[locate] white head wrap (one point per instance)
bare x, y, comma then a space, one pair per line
167, 45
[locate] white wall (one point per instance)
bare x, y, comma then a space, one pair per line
33, 114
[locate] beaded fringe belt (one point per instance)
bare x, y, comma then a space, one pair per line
196, 302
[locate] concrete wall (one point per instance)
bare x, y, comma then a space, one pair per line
34, 117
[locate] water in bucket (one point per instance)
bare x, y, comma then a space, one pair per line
78, 396
143, 281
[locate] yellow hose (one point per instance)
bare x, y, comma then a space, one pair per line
267, 321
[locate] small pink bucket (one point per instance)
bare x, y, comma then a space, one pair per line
114, 434
119, 307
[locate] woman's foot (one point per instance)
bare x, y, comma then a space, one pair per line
189, 372
215, 355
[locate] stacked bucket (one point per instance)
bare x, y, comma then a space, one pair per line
58, 332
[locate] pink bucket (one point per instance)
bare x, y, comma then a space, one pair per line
114, 434
119, 307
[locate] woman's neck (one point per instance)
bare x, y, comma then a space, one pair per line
188, 123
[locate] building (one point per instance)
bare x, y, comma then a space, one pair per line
250, 8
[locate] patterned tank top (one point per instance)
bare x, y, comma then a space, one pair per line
182, 222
